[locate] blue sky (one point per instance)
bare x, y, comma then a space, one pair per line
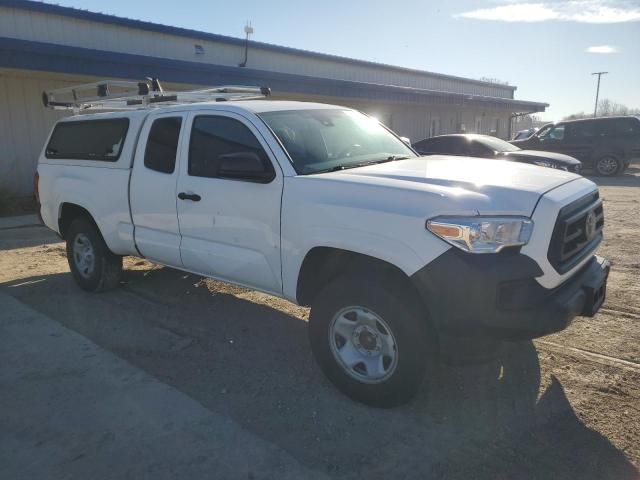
542, 46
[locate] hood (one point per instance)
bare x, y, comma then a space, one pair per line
560, 158
459, 185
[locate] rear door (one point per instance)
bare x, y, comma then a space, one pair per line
153, 188
621, 138
230, 225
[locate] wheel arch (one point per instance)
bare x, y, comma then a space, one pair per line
68, 212
322, 264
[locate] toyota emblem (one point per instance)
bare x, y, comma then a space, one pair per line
590, 225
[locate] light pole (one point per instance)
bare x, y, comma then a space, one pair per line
595, 110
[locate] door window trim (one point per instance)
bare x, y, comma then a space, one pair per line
246, 122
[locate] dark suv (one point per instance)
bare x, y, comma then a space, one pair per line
606, 145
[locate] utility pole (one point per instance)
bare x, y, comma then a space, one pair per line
595, 110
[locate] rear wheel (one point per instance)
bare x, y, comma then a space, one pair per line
371, 340
93, 266
608, 166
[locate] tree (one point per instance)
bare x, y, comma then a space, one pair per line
606, 108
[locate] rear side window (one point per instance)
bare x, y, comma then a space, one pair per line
214, 138
623, 127
162, 144
88, 140
578, 130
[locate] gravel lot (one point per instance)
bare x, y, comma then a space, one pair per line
565, 406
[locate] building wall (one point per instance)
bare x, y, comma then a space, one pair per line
25, 124
63, 30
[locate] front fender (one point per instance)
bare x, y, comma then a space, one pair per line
377, 245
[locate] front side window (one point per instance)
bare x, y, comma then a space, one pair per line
216, 141
162, 144
479, 150
553, 132
327, 139
88, 140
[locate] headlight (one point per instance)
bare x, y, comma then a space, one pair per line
482, 234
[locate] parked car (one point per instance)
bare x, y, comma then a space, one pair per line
485, 146
607, 144
399, 257
522, 134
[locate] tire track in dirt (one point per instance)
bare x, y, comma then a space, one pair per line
597, 357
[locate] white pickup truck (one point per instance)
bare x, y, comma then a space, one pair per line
400, 257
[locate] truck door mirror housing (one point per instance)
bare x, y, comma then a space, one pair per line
406, 140
247, 166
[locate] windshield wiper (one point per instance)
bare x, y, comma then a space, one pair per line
337, 168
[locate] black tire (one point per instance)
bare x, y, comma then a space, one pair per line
393, 302
603, 166
106, 267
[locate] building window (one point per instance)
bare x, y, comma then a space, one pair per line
199, 49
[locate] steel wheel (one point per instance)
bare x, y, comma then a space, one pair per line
363, 344
83, 255
607, 166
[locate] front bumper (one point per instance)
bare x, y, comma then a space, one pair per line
497, 296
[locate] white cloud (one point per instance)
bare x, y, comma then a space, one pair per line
601, 49
584, 11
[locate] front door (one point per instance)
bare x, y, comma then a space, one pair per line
550, 138
230, 226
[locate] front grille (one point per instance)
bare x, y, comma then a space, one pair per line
578, 231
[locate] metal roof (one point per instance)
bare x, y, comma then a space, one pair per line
29, 55
195, 34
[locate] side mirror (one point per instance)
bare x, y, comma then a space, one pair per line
406, 140
247, 166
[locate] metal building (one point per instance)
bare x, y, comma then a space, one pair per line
45, 46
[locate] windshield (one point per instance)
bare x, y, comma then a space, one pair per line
497, 145
321, 140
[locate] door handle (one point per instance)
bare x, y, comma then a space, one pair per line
194, 197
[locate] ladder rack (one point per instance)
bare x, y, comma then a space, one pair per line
126, 95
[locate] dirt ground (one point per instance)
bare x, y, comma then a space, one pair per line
565, 406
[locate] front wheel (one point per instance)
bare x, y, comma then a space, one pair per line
371, 339
93, 266
608, 166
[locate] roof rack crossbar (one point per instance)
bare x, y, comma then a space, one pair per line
127, 95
